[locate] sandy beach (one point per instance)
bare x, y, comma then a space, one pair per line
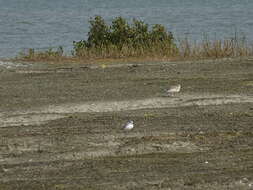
61, 125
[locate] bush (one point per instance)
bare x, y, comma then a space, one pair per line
121, 39
124, 40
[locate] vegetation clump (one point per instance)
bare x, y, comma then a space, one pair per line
121, 39
137, 40
47, 55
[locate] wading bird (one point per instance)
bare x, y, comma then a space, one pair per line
129, 126
173, 89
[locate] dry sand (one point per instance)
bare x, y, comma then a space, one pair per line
61, 126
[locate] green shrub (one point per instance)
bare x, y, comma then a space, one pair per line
136, 40
99, 34
120, 39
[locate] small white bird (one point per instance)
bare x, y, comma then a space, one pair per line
174, 89
4, 169
129, 126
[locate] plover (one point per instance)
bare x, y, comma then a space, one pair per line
129, 126
173, 89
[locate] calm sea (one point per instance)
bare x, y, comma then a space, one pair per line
42, 24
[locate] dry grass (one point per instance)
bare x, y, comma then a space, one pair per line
232, 47
185, 50
48, 55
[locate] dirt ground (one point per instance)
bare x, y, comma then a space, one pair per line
61, 126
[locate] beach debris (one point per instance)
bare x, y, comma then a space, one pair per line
10, 65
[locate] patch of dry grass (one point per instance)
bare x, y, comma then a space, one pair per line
48, 55
185, 50
231, 47
123, 40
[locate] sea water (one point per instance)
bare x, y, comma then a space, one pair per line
43, 24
